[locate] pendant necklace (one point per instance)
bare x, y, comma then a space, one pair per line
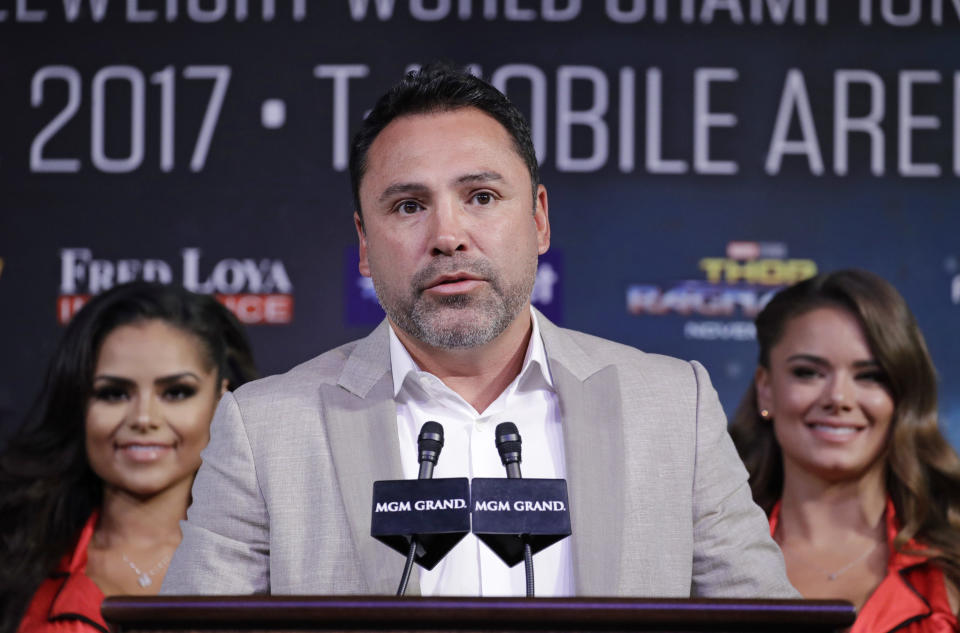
145, 578
833, 575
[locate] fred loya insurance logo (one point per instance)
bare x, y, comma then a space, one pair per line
257, 290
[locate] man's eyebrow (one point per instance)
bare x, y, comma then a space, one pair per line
418, 187
483, 176
401, 187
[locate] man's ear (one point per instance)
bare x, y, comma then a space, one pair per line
364, 265
541, 217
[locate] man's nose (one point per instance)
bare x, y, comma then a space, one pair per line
449, 227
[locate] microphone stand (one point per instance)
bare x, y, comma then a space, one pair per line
408, 566
429, 443
528, 566
508, 445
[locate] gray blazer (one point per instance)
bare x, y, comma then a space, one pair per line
659, 500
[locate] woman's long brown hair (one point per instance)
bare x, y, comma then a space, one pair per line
923, 470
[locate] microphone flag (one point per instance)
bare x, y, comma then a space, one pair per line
436, 511
508, 512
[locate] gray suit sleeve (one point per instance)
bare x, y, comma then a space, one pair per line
734, 555
225, 546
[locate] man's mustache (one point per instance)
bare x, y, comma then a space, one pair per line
475, 266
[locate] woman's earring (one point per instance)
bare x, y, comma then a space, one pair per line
764, 414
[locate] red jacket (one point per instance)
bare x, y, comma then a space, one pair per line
911, 598
68, 601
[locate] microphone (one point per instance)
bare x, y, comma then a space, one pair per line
429, 444
508, 445
517, 517
423, 516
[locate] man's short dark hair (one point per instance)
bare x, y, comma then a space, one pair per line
440, 87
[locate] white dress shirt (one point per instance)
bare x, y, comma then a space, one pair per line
530, 402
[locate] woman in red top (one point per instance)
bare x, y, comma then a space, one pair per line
95, 483
839, 433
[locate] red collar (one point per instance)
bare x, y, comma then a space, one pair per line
79, 597
895, 601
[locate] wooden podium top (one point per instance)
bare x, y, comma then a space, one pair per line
383, 613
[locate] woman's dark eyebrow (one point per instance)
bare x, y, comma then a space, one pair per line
817, 360
112, 379
810, 358
164, 380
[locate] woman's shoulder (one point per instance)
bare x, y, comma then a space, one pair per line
939, 592
68, 601
914, 599
65, 604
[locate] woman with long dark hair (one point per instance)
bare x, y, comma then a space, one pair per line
839, 432
94, 484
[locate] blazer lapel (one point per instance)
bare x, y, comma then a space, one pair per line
590, 417
361, 420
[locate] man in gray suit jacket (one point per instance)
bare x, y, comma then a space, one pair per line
451, 218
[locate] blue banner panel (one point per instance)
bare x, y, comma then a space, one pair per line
698, 156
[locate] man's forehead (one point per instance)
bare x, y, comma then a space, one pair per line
416, 134
469, 120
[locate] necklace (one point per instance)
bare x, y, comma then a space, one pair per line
833, 575
145, 579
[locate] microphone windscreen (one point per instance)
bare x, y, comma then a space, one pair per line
508, 442
430, 441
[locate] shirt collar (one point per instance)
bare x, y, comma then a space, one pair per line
534, 361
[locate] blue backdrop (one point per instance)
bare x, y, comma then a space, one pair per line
698, 154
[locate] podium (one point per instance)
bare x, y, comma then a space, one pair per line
383, 614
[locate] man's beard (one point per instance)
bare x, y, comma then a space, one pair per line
457, 321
